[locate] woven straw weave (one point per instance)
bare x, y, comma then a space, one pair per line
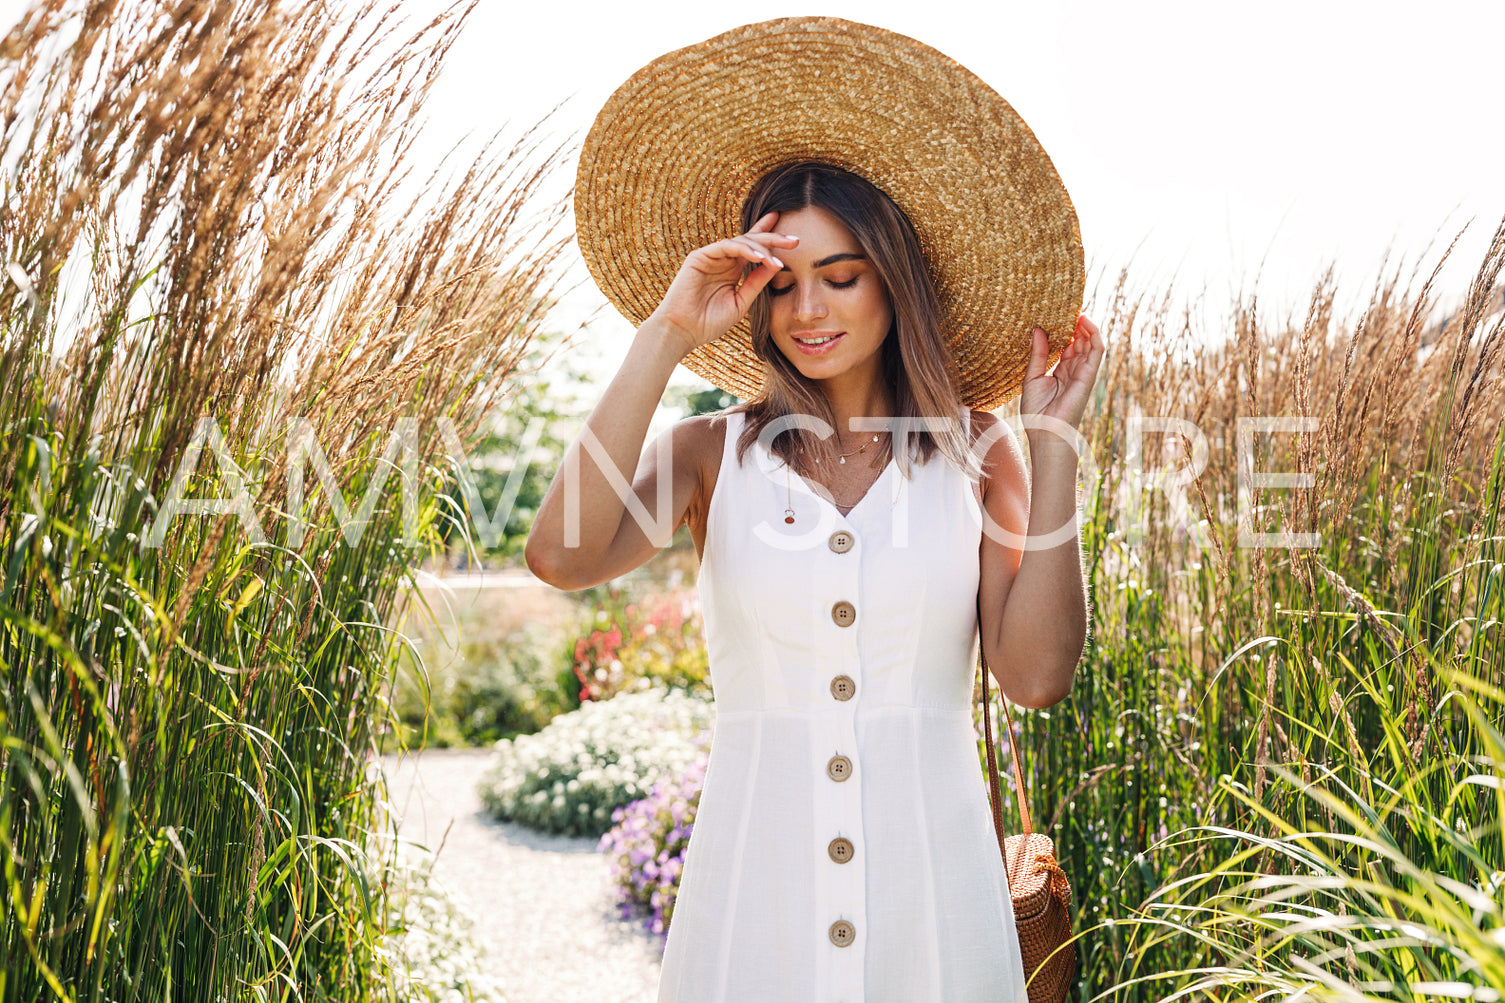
679, 146
1042, 900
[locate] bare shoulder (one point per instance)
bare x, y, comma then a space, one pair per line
1003, 459
981, 422
698, 442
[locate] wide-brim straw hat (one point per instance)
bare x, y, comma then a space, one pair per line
676, 150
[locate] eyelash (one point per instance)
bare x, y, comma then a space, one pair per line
835, 285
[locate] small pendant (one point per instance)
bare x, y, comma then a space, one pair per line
789, 515
843, 459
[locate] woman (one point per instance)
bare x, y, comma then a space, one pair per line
843, 848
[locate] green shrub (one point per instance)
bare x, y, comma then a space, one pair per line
489, 691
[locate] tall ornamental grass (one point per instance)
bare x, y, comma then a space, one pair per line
1278, 774
203, 243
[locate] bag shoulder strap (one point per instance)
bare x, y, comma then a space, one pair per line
987, 728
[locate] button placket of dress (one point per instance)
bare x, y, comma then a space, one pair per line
841, 920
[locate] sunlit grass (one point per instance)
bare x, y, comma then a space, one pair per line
1276, 774
186, 796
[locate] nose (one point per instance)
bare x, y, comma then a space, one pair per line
808, 304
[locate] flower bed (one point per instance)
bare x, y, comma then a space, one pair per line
657, 640
429, 947
648, 843
570, 777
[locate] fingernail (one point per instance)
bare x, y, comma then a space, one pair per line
776, 262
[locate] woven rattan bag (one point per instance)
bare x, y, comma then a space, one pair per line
1038, 886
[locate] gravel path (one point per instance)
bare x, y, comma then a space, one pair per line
542, 903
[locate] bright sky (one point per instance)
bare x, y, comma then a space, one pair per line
1193, 137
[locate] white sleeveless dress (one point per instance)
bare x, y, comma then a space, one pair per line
843, 850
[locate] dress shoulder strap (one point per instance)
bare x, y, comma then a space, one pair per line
734, 422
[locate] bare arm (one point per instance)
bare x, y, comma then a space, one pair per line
587, 530
1034, 604
1034, 597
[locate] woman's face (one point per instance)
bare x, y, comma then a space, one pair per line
828, 312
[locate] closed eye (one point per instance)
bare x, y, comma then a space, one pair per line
834, 285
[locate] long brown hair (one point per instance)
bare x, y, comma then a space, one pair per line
915, 361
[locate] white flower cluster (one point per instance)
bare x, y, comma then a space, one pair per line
573, 774
430, 950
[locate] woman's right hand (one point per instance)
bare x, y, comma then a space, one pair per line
709, 294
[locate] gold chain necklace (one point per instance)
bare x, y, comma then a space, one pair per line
859, 449
789, 498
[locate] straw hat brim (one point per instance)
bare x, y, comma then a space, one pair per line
676, 150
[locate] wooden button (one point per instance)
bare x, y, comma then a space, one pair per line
844, 613
841, 541
842, 688
841, 849
839, 768
843, 933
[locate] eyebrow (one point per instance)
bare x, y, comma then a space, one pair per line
832, 259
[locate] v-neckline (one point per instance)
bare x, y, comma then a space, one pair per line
812, 488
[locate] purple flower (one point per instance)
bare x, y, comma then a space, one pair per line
648, 843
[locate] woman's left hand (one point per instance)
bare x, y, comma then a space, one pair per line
1062, 394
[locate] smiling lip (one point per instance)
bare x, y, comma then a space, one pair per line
821, 348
